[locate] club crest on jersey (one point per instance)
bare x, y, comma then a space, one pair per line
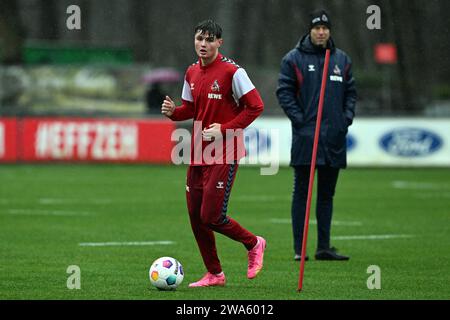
337, 70
215, 88
311, 68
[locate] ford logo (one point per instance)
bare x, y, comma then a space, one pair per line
351, 142
411, 142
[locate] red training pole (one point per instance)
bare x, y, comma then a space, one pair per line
313, 166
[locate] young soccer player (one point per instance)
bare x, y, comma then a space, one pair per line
218, 94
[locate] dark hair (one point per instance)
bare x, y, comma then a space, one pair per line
209, 26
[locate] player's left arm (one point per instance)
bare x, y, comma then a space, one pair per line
247, 95
350, 95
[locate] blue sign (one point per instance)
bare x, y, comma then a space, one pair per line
257, 141
410, 142
351, 142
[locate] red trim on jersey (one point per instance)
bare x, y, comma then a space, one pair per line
299, 75
347, 68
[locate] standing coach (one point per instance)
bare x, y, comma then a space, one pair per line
298, 94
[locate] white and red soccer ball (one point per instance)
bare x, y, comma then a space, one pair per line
166, 273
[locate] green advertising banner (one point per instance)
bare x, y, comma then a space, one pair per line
74, 55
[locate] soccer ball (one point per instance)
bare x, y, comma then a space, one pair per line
166, 273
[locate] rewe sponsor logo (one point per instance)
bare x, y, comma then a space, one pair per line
83, 140
217, 96
336, 78
411, 142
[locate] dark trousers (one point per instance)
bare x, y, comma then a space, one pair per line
326, 185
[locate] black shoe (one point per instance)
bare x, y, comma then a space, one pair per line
330, 254
298, 257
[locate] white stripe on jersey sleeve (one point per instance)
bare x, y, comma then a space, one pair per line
187, 94
241, 84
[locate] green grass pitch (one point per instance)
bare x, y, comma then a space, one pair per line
46, 211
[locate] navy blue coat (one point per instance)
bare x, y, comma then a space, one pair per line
298, 94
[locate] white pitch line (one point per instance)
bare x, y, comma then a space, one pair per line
52, 201
314, 222
412, 185
56, 201
345, 223
135, 243
281, 221
260, 198
440, 195
373, 237
32, 212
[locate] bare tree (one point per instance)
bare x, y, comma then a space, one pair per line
11, 32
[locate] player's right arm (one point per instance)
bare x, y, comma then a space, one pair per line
183, 112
